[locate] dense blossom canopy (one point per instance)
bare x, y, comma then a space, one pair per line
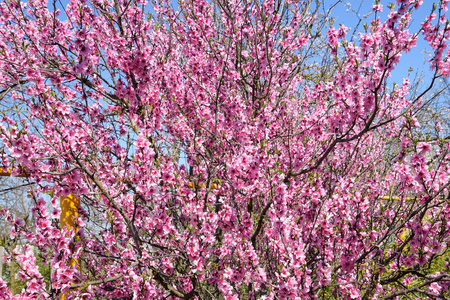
303, 177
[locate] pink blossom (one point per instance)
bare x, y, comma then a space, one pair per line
377, 7
424, 147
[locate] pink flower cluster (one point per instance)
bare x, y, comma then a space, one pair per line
214, 160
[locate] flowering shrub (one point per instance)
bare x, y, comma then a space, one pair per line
288, 193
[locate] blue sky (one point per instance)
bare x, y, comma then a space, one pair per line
347, 11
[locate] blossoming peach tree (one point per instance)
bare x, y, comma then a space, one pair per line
287, 191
